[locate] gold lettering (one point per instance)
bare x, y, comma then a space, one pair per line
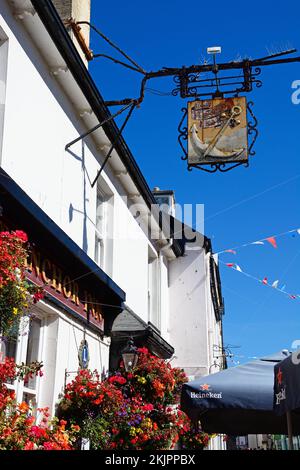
88, 302
36, 262
46, 263
75, 296
57, 278
67, 287
98, 314
94, 313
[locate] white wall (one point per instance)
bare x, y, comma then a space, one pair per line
193, 327
214, 336
188, 322
130, 266
36, 130
164, 299
39, 122
61, 343
3, 72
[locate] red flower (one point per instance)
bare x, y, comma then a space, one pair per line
38, 432
148, 407
21, 235
37, 296
143, 350
98, 400
134, 440
29, 445
117, 379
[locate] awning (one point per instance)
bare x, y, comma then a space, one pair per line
238, 400
144, 334
19, 211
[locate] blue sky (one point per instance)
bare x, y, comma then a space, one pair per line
245, 204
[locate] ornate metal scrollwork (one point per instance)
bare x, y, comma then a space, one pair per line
222, 167
252, 128
183, 134
192, 85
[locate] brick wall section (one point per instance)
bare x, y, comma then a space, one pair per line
64, 8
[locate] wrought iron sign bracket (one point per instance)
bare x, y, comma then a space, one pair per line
224, 81
191, 82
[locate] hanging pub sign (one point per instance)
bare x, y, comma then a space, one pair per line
217, 131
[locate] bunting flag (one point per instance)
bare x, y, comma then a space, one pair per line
234, 266
264, 281
272, 241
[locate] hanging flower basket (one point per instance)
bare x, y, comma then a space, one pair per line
17, 295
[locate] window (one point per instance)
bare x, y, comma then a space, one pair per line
26, 348
3, 72
101, 229
153, 292
215, 287
104, 228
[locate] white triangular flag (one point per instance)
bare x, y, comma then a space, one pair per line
257, 243
275, 284
298, 231
238, 268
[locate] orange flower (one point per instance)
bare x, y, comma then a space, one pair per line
75, 427
23, 407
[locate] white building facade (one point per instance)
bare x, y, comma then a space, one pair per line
106, 275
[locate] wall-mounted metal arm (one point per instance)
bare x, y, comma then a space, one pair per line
113, 45
82, 136
133, 105
116, 61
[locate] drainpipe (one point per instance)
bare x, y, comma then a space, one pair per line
166, 247
161, 254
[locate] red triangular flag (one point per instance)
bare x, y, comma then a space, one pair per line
292, 296
272, 241
230, 265
265, 280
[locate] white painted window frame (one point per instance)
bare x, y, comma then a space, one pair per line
22, 345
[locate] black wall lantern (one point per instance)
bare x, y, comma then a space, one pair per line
130, 355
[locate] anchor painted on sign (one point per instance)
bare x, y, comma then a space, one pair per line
211, 150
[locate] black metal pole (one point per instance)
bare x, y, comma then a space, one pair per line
99, 125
